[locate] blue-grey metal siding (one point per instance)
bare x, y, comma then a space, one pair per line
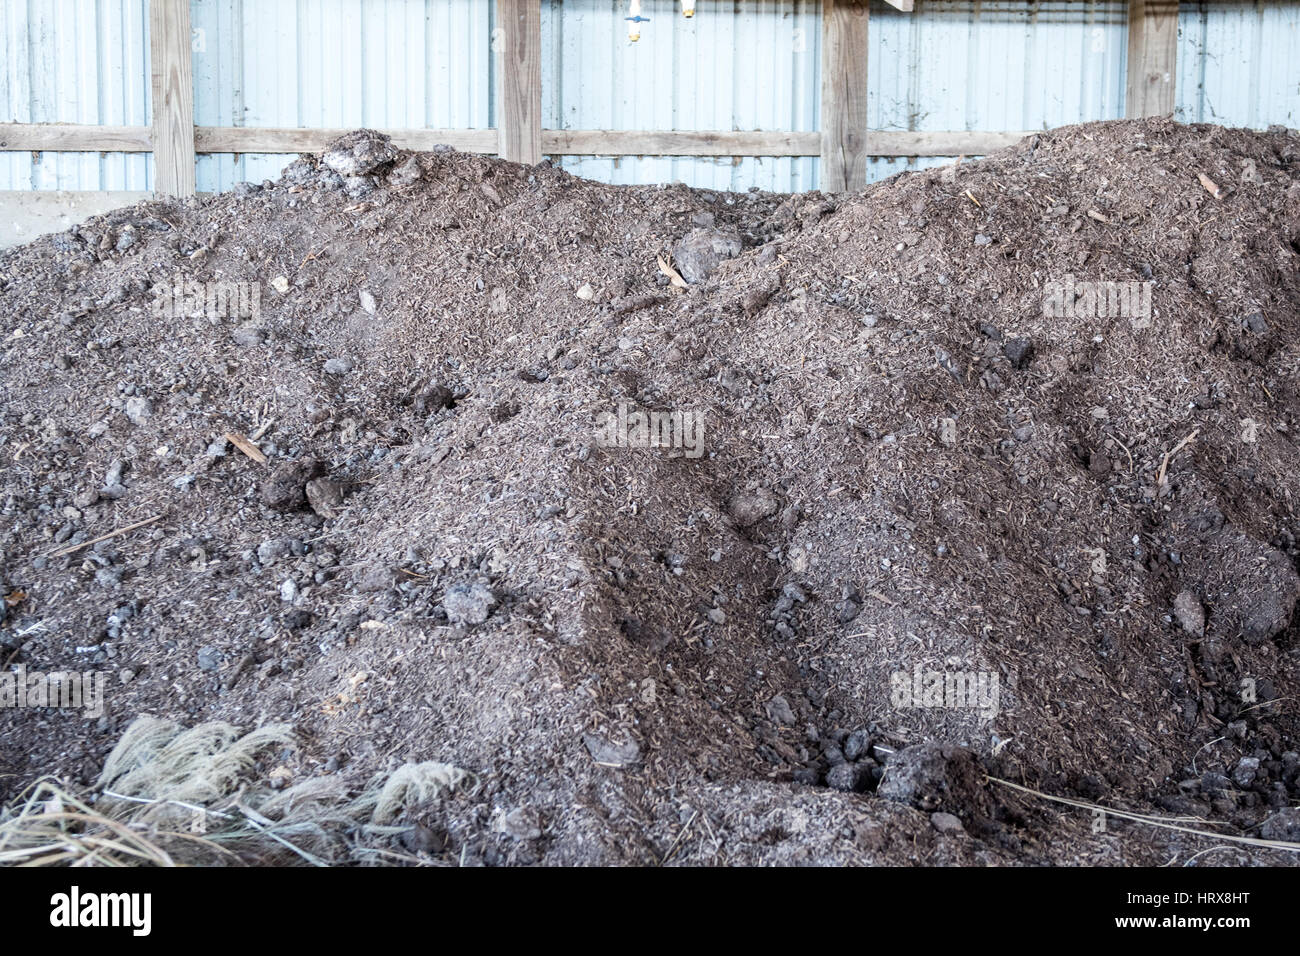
737, 65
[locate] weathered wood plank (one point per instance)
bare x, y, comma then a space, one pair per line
172, 77
938, 143
73, 137
247, 139
844, 95
1152, 57
606, 142
521, 80
54, 137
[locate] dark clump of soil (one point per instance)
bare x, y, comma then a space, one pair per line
383, 514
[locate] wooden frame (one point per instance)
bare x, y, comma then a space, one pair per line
844, 95
521, 80
70, 137
171, 75
844, 143
1152, 58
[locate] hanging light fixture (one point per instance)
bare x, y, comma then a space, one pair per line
688, 8
635, 20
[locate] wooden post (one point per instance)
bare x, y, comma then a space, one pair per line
171, 74
520, 119
844, 95
1152, 57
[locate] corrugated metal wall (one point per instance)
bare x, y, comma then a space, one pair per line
1239, 64
737, 65
994, 66
337, 64
74, 61
749, 65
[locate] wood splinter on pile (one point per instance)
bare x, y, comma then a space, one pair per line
246, 446
673, 275
1211, 187
104, 537
1164, 462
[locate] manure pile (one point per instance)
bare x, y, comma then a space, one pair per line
984, 476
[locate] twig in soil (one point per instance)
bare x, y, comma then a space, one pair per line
1126, 452
1203, 746
246, 446
1264, 703
246, 662
104, 537
680, 836
1151, 821
1209, 849
1210, 185
403, 857
1164, 462
673, 275
971, 197
635, 303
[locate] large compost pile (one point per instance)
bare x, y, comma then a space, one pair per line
986, 476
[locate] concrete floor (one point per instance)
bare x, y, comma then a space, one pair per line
25, 215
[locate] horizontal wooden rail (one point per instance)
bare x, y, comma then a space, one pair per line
251, 139
608, 142
895, 142
60, 137
66, 137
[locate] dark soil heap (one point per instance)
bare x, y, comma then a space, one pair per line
910, 466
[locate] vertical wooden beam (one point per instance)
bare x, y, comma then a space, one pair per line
520, 119
844, 95
1152, 57
171, 75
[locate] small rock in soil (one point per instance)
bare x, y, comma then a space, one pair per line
749, 508
946, 823
932, 776
1018, 351
359, 152
848, 777
405, 173
1255, 323
778, 709
1190, 613
249, 336
433, 398
285, 489
522, 824
1283, 825
325, 496
605, 751
139, 410
702, 250
856, 745
469, 603
1244, 774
